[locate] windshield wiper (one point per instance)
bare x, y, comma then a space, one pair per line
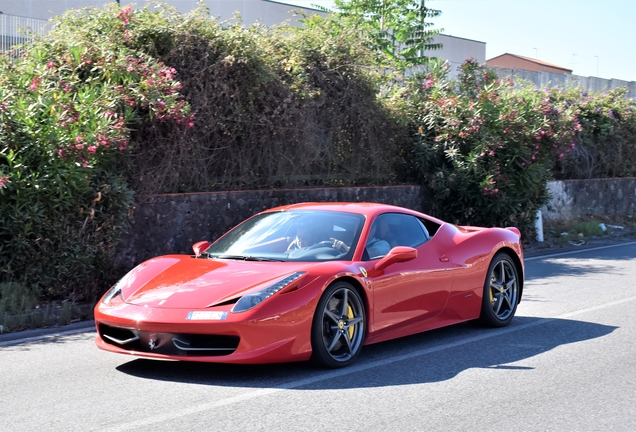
244, 258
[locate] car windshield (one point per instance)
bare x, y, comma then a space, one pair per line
298, 235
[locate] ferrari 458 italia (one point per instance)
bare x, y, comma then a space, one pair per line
313, 281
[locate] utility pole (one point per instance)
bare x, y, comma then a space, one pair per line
596, 66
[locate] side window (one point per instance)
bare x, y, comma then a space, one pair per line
430, 227
379, 240
391, 230
408, 230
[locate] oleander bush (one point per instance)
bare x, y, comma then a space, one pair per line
606, 145
67, 108
483, 148
280, 106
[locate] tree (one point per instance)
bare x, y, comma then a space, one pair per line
397, 28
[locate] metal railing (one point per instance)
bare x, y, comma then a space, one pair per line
15, 30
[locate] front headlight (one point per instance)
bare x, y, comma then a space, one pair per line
112, 293
249, 301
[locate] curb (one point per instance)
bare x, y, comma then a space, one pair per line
47, 332
536, 249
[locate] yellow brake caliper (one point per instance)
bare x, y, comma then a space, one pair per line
350, 315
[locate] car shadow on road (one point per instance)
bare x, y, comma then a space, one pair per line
432, 356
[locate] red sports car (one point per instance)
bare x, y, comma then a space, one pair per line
316, 280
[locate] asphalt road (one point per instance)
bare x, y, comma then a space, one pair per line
567, 363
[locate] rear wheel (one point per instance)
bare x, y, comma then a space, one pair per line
501, 292
338, 327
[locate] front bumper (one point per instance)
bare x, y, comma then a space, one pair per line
258, 336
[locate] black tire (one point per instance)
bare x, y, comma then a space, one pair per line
338, 328
501, 292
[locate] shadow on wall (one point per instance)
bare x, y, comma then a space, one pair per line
172, 223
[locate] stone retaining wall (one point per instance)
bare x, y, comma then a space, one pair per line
576, 198
173, 223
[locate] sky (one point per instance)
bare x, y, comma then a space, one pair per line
593, 38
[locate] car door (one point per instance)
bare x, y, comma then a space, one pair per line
407, 295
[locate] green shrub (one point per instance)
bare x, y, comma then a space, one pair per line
275, 107
606, 143
484, 149
67, 108
17, 298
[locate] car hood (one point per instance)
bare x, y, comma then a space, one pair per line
187, 282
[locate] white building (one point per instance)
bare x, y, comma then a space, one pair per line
269, 12
20, 14
456, 50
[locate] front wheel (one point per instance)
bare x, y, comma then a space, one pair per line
338, 327
501, 292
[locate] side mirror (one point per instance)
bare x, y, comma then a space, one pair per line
199, 247
396, 255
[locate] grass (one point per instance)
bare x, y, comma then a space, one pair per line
586, 227
20, 309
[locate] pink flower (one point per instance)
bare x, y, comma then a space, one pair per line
191, 124
50, 65
92, 149
79, 139
4, 179
79, 146
428, 84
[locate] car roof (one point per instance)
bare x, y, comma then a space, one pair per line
364, 208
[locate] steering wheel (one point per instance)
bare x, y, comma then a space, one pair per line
323, 243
